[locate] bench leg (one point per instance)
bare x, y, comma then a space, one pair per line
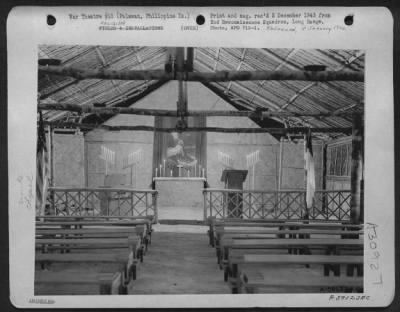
336, 270
141, 252
132, 271
122, 290
250, 290
105, 289
360, 270
350, 270
226, 273
326, 269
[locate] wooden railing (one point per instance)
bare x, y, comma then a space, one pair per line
102, 202
254, 204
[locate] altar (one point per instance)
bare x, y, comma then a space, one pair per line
180, 197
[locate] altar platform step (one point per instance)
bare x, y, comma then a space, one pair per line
181, 221
180, 213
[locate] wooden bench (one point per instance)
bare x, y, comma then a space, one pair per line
255, 233
253, 280
108, 283
286, 243
148, 221
102, 232
257, 261
236, 260
89, 224
329, 245
126, 264
282, 225
132, 243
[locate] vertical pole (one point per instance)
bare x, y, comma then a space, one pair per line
50, 148
356, 209
182, 105
306, 212
280, 164
280, 174
147, 202
51, 158
205, 206
324, 174
155, 207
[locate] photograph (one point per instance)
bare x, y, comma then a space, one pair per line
187, 170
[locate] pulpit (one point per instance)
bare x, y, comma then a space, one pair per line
234, 179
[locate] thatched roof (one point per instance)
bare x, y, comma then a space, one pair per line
283, 95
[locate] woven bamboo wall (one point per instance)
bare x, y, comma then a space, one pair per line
69, 160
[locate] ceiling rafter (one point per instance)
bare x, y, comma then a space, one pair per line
291, 53
296, 67
307, 87
307, 124
139, 59
237, 68
216, 59
249, 91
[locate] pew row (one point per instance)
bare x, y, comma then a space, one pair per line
147, 221
328, 244
126, 264
217, 226
229, 234
254, 280
107, 283
94, 232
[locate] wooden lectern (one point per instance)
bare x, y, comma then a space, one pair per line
234, 179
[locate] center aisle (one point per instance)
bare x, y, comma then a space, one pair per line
179, 262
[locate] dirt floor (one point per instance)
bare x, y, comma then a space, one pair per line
179, 263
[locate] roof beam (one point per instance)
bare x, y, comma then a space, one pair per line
281, 131
86, 73
173, 113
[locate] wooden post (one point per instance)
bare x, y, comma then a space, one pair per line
278, 201
182, 105
51, 167
205, 208
356, 170
51, 158
324, 174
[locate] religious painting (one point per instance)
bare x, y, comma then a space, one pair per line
179, 154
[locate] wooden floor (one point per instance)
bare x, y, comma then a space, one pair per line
179, 263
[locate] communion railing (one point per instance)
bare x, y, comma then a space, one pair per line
102, 202
253, 204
